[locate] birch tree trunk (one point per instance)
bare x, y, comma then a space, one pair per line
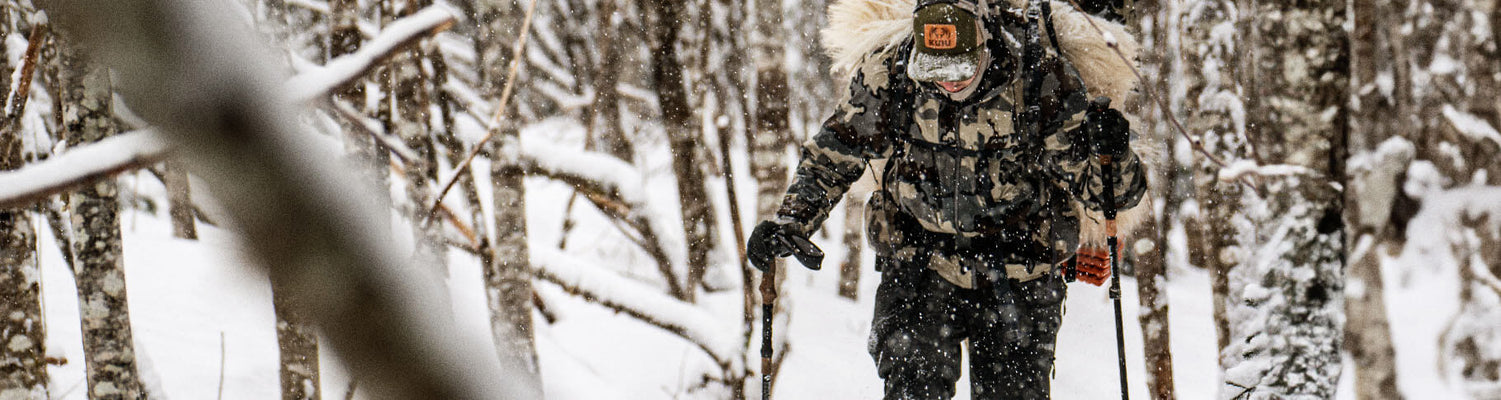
768, 142
1151, 252
23, 367
109, 348
1375, 187
508, 283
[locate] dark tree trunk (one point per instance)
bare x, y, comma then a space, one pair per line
849, 270
298, 341
180, 202
23, 367
667, 76
606, 105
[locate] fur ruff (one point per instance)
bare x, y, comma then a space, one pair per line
860, 27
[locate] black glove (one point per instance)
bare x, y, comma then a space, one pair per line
777, 238
1109, 132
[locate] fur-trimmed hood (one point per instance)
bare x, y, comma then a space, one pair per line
860, 27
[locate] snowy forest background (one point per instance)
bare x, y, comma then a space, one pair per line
1329, 223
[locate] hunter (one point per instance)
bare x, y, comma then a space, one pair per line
992, 154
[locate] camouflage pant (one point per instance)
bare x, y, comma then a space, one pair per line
920, 319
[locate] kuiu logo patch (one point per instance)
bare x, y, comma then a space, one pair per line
940, 37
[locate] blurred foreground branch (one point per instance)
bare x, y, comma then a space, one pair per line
192, 70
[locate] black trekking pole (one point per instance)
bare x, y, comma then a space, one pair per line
768, 302
783, 243
1107, 166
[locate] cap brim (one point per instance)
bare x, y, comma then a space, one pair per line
926, 67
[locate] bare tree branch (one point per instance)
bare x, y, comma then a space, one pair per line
374, 130
15, 102
500, 110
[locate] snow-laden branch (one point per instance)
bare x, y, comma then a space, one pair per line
80, 165
1242, 168
614, 187
319, 82
637, 300
1471, 126
317, 6
602, 171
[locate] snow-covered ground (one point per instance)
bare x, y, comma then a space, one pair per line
185, 294
200, 312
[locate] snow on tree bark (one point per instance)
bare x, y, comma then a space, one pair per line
1439, 37
1287, 310
1471, 341
1212, 92
23, 367
109, 350
508, 285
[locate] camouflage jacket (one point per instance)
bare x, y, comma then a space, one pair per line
972, 180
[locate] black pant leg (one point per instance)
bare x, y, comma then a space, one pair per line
1015, 330
914, 338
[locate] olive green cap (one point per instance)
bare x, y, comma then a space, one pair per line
947, 45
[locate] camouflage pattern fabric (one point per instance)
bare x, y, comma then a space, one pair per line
920, 320
971, 173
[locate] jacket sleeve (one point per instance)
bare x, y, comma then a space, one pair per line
836, 156
1068, 157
